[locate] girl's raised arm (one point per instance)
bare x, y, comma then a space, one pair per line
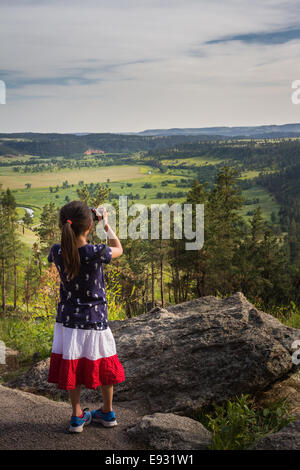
114, 242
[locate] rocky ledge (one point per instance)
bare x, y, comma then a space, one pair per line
287, 438
183, 357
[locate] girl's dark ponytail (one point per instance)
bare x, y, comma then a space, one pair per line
69, 251
75, 219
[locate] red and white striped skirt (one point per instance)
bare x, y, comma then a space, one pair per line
86, 357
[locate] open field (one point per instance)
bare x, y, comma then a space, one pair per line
253, 173
36, 198
19, 158
198, 161
249, 174
12, 180
266, 202
123, 180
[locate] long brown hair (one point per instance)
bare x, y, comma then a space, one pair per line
74, 219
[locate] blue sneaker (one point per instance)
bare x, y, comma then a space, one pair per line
76, 424
106, 419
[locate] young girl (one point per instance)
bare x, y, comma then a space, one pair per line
84, 350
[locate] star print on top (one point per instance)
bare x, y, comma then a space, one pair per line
83, 302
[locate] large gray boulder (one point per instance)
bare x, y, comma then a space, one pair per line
167, 431
287, 438
190, 354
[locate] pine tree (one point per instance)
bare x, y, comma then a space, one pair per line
48, 230
195, 263
294, 242
9, 245
93, 199
212, 267
258, 225
27, 219
223, 230
31, 280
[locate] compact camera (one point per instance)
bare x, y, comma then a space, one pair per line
94, 213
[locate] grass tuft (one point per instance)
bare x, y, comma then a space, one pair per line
237, 424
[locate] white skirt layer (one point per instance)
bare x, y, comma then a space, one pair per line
75, 343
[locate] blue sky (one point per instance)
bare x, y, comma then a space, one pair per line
130, 65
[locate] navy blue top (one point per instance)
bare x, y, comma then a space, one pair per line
83, 299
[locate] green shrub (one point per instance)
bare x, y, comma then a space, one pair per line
238, 424
29, 337
288, 314
115, 305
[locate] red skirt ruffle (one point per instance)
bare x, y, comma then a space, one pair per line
68, 373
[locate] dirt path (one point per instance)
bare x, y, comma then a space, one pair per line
30, 421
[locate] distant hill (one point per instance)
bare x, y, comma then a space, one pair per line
47, 145
285, 130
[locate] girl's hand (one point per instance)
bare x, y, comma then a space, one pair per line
104, 215
114, 242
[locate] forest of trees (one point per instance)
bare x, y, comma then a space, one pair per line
285, 185
252, 154
236, 256
52, 145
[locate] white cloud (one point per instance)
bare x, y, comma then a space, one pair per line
127, 65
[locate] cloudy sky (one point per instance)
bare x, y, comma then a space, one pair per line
130, 65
